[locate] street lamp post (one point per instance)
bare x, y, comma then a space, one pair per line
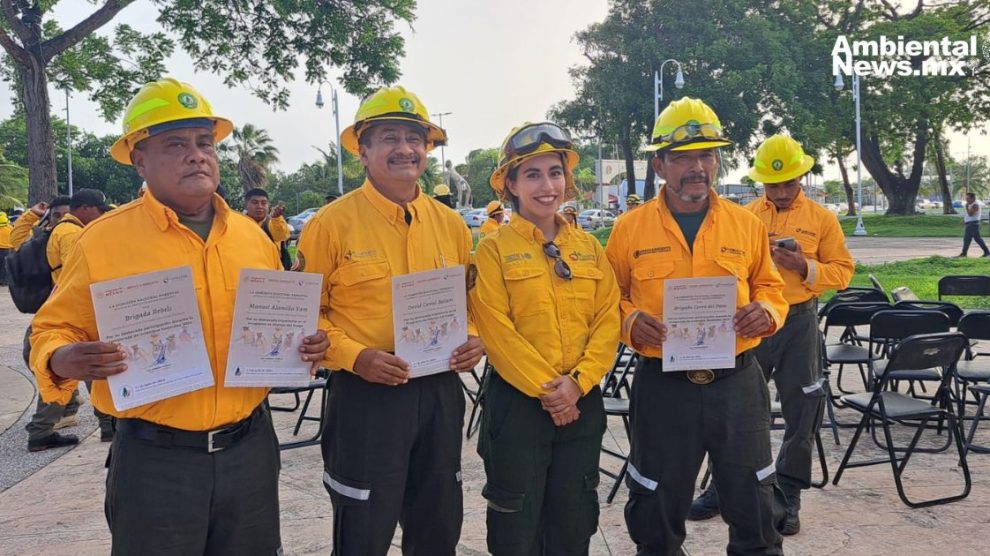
443, 158
68, 139
336, 121
658, 85
839, 84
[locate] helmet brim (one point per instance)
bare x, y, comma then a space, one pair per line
689, 146
350, 140
122, 147
759, 177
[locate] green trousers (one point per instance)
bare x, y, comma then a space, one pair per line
542, 480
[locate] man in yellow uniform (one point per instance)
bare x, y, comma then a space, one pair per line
677, 417
392, 448
809, 249
195, 473
495, 214
5, 245
272, 223
632, 201
85, 206
25, 226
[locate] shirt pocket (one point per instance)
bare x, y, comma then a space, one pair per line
584, 284
740, 270
528, 291
362, 290
646, 288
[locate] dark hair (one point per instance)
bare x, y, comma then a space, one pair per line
365, 138
973, 195
61, 200
331, 197
256, 192
88, 197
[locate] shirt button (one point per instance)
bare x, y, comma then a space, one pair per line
650, 275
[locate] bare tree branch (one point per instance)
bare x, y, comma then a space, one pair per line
13, 49
10, 14
56, 45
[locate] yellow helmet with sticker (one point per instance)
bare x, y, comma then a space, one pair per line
687, 124
529, 140
391, 104
780, 159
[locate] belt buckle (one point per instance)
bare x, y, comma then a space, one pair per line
210, 448
701, 376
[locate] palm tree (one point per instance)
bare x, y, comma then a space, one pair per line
253, 150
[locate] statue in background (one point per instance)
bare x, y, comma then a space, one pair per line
459, 184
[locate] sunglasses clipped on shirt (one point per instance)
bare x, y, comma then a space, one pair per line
560, 266
688, 132
531, 136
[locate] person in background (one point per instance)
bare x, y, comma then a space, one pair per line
496, 213
974, 212
273, 223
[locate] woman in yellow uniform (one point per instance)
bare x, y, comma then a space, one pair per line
546, 303
570, 215
495, 214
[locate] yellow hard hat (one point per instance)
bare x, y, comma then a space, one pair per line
633, 199
494, 207
394, 104
161, 102
4, 219
529, 140
780, 159
687, 124
441, 190
569, 210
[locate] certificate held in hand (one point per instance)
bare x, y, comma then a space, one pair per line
429, 317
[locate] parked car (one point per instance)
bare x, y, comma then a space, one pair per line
475, 217
297, 222
593, 219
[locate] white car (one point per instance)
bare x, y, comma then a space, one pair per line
475, 218
593, 219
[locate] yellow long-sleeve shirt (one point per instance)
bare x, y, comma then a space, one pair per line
60, 243
145, 236
817, 231
279, 229
21, 231
536, 325
5, 230
489, 227
359, 242
647, 247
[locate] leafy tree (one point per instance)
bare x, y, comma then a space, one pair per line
13, 184
256, 44
252, 149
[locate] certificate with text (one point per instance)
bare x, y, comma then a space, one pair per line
698, 314
429, 312
155, 317
274, 311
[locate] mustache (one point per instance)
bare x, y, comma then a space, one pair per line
697, 177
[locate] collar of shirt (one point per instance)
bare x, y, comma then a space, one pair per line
391, 211
667, 216
163, 216
69, 218
798, 202
532, 234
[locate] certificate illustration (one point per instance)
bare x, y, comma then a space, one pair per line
698, 314
274, 311
429, 318
154, 316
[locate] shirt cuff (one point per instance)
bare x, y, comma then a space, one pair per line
775, 319
812, 273
53, 388
344, 355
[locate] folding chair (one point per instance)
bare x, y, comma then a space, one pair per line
847, 316
923, 351
477, 399
321, 383
982, 391
950, 309
615, 382
974, 369
963, 285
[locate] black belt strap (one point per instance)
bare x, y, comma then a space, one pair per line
208, 441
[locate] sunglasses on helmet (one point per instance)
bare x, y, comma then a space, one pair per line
530, 137
688, 132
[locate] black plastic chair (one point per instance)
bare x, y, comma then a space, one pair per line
974, 369
950, 309
477, 398
847, 316
963, 285
321, 383
923, 351
982, 392
615, 382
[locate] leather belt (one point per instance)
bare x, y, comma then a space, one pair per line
705, 376
803, 307
208, 441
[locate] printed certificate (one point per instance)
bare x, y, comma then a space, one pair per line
698, 314
274, 311
154, 316
429, 312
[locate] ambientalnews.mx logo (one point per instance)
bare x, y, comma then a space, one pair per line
887, 57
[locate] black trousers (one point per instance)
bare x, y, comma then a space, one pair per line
392, 454
792, 358
184, 502
973, 233
542, 480
674, 423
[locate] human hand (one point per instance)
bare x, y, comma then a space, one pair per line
467, 355
314, 348
563, 392
647, 331
279, 210
791, 260
375, 365
88, 360
40, 209
751, 321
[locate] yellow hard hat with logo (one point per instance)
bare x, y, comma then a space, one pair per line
441, 190
163, 105
529, 140
494, 207
569, 209
780, 159
687, 124
391, 104
633, 199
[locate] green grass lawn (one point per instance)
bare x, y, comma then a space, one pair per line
922, 275
921, 225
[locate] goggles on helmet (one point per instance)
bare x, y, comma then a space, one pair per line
530, 137
689, 132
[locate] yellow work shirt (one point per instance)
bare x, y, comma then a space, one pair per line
60, 243
817, 231
358, 243
278, 228
22, 229
536, 325
5, 230
647, 247
145, 236
488, 227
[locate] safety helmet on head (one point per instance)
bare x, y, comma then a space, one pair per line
780, 159
391, 104
441, 190
569, 209
529, 140
633, 199
161, 106
494, 207
687, 124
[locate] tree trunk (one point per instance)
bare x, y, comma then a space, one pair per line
901, 191
850, 200
42, 175
627, 152
649, 190
943, 181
